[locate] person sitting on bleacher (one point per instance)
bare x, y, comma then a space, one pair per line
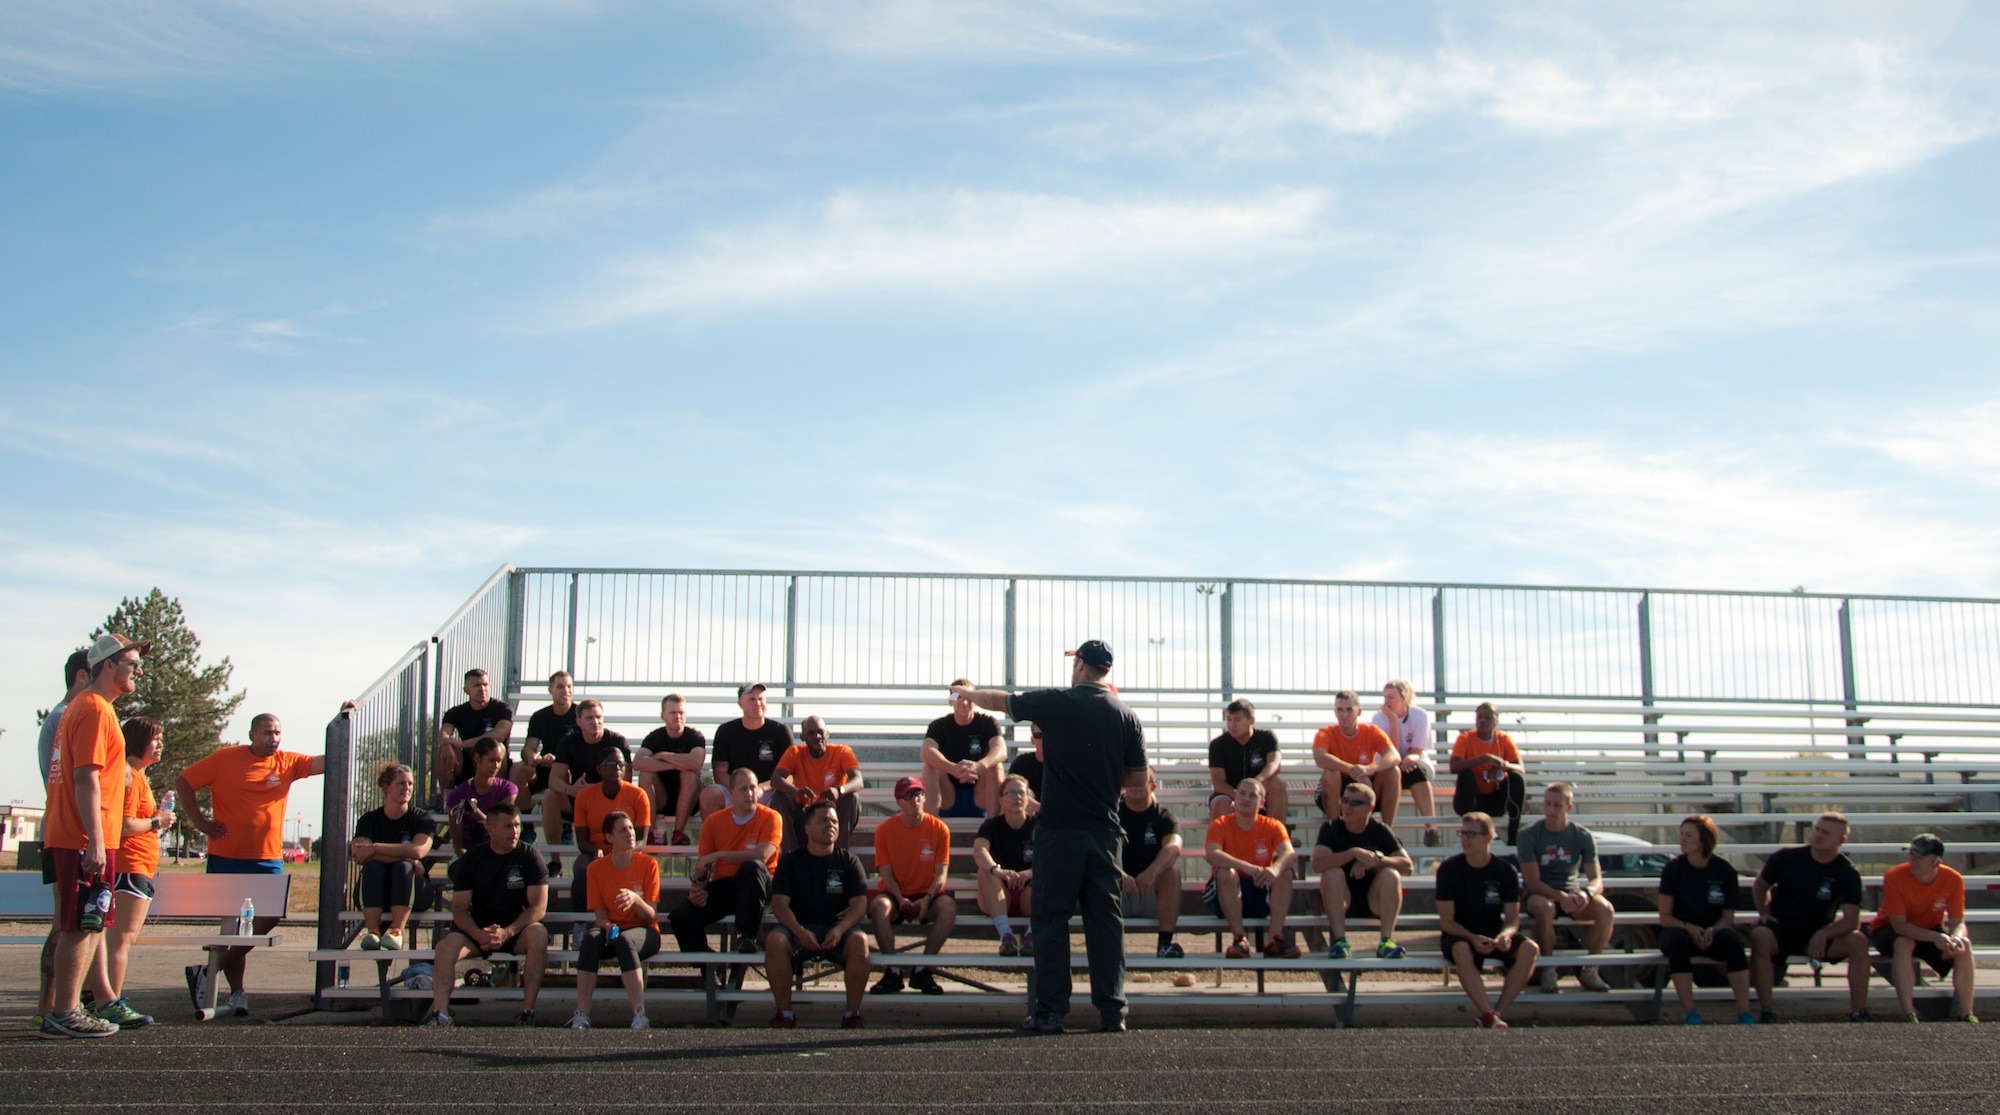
1698, 895
1409, 728
1809, 904
594, 804
1921, 901
816, 770
1491, 779
1479, 917
624, 894
469, 801
549, 730
818, 897
738, 849
1221, 805
500, 892
1361, 869
1562, 878
1244, 750
1004, 855
964, 754
912, 860
1253, 857
1151, 887
462, 726
752, 742
390, 844
668, 767
576, 765
1350, 751
1028, 764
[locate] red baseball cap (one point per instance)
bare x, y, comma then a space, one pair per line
907, 785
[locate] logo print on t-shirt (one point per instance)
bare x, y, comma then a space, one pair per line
271, 779
1715, 894
977, 748
1151, 838
763, 751
1826, 890
1262, 851
515, 881
835, 884
926, 853
1493, 894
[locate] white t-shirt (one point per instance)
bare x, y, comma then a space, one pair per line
1413, 736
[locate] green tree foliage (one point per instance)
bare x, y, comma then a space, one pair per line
193, 701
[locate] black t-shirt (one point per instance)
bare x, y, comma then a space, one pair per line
820, 887
658, 741
1029, 766
552, 728
760, 750
377, 826
1012, 848
1241, 760
1335, 836
582, 758
470, 723
959, 742
498, 884
1145, 831
1806, 894
1478, 895
1090, 740
1701, 894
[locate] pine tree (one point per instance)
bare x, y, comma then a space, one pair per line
192, 701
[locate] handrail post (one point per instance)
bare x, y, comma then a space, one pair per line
517, 624
569, 655
337, 804
791, 640
1437, 661
1227, 625
1856, 745
1646, 670
1010, 632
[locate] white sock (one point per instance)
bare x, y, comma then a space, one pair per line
1005, 926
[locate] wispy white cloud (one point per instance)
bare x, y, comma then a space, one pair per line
1959, 443
963, 30
555, 210
276, 335
856, 243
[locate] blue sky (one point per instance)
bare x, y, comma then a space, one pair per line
313, 314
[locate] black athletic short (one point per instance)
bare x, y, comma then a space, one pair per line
1884, 940
1506, 957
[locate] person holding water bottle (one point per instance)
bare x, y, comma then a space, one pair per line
247, 786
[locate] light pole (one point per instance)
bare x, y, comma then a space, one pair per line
1156, 644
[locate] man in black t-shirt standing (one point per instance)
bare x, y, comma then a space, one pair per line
1809, 904
1150, 863
1094, 748
669, 769
463, 725
964, 755
1361, 869
1244, 750
500, 890
818, 896
549, 730
752, 740
1479, 918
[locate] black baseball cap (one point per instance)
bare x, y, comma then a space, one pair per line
1926, 844
1096, 653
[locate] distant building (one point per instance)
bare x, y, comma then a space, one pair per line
19, 823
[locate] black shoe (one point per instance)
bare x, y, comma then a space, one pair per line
890, 983
925, 982
1113, 1026
525, 1020
1042, 1024
748, 945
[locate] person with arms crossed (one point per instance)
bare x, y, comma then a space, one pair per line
468, 802
1244, 750
1491, 778
624, 894
248, 785
1560, 872
390, 844
1350, 751
1409, 728
595, 803
912, 859
668, 767
1361, 869
1809, 904
753, 742
1094, 748
549, 730
1479, 918
1698, 896
963, 755
76, 676
1004, 855
818, 897
738, 848
464, 725
576, 764
1149, 863
1253, 857
816, 770
138, 862
500, 892
1921, 902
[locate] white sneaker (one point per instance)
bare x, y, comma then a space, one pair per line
1549, 981
641, 1022
577, 1021
239, 1003
1592, 979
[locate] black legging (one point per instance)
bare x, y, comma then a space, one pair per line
743, 894
1677, 945
579, 890
1505, 798
402, 882
632, 947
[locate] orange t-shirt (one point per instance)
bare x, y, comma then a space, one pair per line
592, 807
247, 794
825, 772
914, 855
1367, 744
1259, 844
720, 832
1468, 745
139, 853
88, 736
1925, 906
605, 880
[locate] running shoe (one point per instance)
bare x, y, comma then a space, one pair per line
890, 983
1548, 981
1172, 950
1768, 1017
1389, 950
783, 1020
1277, 948
119, 1013
577, 1021
851, 1020
1027, 944
1692, 1018
1746, 1019
1010, 945
1912, 1017
1969, 1017
681, 838
368, 942
1858, 1016
1238, 949
525, 1020
239, 1003
1592, 979
641, 1022
1339, 950
925, 982
437, 1020
392, 941
75, 1024
1491, 1020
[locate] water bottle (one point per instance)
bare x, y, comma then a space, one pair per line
340, 974
246, 917
166, 803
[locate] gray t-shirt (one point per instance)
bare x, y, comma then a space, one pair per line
45, 746
1559, 855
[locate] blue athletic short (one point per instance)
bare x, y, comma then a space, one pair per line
223, 865
1256, 899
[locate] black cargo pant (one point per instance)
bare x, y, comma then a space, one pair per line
1078, 870
743, 894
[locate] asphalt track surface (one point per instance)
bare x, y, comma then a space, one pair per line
1877, 1068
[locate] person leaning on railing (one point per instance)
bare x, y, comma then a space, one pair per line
390, 844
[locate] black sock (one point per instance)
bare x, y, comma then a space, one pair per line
1166, 939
